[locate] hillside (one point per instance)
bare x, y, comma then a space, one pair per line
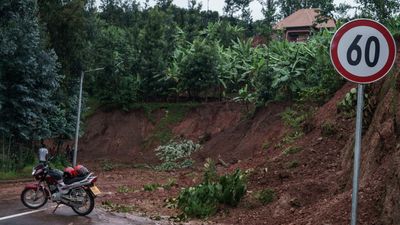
312, 185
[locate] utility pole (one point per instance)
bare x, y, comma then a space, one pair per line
78, 119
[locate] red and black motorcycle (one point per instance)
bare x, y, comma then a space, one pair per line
75, 187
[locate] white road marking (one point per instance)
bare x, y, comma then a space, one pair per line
26, 213
21, 214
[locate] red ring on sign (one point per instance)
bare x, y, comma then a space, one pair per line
335, 58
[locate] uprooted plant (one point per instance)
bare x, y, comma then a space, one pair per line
176, 154
203, 200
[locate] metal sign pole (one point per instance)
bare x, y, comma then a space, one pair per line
357, 152
78, 119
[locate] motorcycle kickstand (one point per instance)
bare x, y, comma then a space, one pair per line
58, 204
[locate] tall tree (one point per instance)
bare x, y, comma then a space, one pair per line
288, 7
193, 19
68, 28
379, 9
270, 17
65, 22
164, 4
156, 47
342, 11
233, 6
28, 74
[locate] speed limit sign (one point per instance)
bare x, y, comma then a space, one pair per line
363, 51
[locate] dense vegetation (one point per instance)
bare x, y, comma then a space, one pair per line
151, 54
204, 199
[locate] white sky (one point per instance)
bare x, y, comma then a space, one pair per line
217, 5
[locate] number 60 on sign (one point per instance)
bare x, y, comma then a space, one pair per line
363, 51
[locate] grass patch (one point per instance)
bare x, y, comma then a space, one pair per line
266, 196
26, 172
149, 108
292, 150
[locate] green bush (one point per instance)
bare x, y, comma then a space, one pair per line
176, 154
347, 104
233, 188
60, 162
202, 200
194, 68
210, 172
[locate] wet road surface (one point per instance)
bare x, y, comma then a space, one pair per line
63, 216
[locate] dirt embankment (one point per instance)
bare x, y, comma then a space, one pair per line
311, 186
129, 136
223, 129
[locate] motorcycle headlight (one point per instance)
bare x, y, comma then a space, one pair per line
33, 172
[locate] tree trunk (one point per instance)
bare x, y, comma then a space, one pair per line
3, 156
8, 154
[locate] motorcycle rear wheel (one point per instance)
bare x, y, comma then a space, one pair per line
87, 204
34, 199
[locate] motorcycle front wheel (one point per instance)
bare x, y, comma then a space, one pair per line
34, 199
85, 200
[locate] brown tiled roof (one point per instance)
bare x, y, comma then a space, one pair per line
304, 18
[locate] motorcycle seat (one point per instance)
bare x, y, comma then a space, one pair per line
69, 181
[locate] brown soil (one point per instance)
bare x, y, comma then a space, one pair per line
246, 139
312, 186
116, 135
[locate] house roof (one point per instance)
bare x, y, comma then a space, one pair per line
304, 18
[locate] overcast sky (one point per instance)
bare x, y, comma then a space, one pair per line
217, 5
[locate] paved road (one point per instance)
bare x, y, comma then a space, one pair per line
63, 216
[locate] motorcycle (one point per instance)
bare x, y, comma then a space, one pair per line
75, 187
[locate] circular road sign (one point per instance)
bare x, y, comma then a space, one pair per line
363, 51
